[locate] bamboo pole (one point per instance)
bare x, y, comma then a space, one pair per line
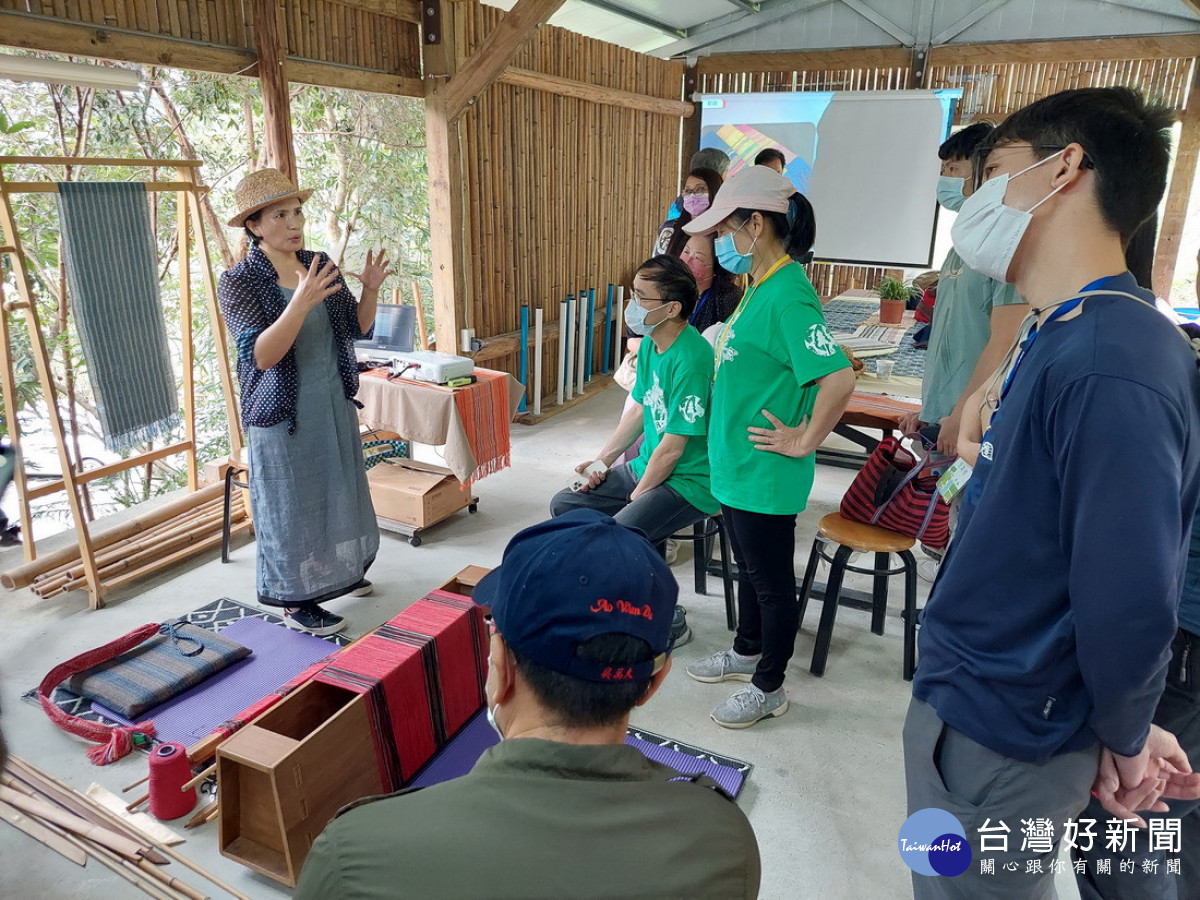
23, 575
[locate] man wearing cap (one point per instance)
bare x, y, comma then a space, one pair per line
561, 807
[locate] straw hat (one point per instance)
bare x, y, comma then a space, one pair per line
259, 190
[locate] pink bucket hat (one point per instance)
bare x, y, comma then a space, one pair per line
753, 187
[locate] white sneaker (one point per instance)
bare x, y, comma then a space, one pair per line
672, 552
927, 569
724, 665
750, 705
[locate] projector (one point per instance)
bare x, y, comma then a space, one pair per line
431, 366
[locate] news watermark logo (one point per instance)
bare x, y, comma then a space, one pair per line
933, 842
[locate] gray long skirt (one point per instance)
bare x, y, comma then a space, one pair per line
313, 519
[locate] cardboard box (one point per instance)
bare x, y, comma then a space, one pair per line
464, 582
415, 493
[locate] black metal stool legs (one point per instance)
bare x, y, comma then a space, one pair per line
910, 614
829, 610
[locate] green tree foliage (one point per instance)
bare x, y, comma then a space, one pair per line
362, 154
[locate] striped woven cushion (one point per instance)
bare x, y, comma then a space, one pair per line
156, 670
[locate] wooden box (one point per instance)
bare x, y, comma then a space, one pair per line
284, 777
415, 493
464, 582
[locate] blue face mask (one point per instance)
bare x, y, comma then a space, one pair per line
950, 194
730, 257
635, 318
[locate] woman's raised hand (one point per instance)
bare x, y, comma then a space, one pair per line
375, 270
316, 284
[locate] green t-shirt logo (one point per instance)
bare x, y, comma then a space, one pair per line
691, 409
820, 341
656, 401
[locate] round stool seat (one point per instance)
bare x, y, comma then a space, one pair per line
860, 536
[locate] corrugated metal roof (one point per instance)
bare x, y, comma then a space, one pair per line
703, 27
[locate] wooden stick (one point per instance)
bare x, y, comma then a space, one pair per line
143, 780
199, 818
136, 803
48, 812
199, 778
42, 834
71, 795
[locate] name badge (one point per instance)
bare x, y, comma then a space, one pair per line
954, 479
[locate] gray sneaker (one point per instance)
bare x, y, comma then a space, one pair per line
723, 666
748, 706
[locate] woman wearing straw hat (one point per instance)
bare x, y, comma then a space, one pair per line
295, 323
779, 387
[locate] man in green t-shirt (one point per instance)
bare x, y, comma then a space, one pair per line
666, 487
976, 318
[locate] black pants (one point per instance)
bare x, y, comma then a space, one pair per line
764, 547
1178, 712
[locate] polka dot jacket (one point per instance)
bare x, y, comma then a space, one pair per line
251, 303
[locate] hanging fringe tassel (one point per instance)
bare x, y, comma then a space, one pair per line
114, 742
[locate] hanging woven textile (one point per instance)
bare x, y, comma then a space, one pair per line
112, 276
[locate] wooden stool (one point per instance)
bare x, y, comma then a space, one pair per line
852, 536
701, 537
237, 474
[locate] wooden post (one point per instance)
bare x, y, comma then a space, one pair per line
690, 140
270, 42
1179, 191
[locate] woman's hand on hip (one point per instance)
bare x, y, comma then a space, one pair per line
316, 284
783, 439
375, 270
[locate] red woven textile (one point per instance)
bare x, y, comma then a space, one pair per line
877, 497
483, 408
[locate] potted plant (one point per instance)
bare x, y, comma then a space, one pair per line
893, 295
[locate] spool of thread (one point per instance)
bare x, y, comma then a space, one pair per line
169, 772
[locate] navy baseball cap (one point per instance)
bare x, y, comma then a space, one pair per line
572, 578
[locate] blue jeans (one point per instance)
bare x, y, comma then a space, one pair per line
659, 513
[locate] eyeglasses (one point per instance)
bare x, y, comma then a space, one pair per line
696, 192
985, 150
642, 300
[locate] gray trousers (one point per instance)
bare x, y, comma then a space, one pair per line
659, 513
947, 770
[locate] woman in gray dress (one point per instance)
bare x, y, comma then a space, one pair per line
295, 322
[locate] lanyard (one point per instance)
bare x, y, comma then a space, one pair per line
700, 306
727, 331
1058, 313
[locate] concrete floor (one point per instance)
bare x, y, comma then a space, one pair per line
826, 796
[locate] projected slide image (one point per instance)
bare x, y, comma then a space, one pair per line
867, 161
796, 140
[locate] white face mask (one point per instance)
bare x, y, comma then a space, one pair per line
986, 233
491, 717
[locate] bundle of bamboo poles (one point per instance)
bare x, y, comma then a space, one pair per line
137, 547
78, 828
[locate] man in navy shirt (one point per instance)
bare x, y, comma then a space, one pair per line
1045, 642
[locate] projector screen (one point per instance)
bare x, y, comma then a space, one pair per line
867, 161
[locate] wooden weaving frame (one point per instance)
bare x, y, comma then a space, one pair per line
188, 190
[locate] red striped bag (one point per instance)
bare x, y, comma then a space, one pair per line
898, 491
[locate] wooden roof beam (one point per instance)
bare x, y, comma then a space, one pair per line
1158, 46
492, 57
405, 10
51, 36
605, 96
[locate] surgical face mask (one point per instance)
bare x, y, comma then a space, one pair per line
730, 257
950, 193
695, 204
986, 233
635, 318
491, 717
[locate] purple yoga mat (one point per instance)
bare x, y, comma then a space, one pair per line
279, 655
459, 756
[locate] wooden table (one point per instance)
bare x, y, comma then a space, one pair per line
434, 414
429, 414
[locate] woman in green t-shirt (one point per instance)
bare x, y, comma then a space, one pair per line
780, 385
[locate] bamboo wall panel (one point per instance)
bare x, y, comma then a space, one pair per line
567, 194
318, 30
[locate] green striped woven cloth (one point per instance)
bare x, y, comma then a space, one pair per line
112, 276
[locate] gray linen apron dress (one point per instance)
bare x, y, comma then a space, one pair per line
313, 518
